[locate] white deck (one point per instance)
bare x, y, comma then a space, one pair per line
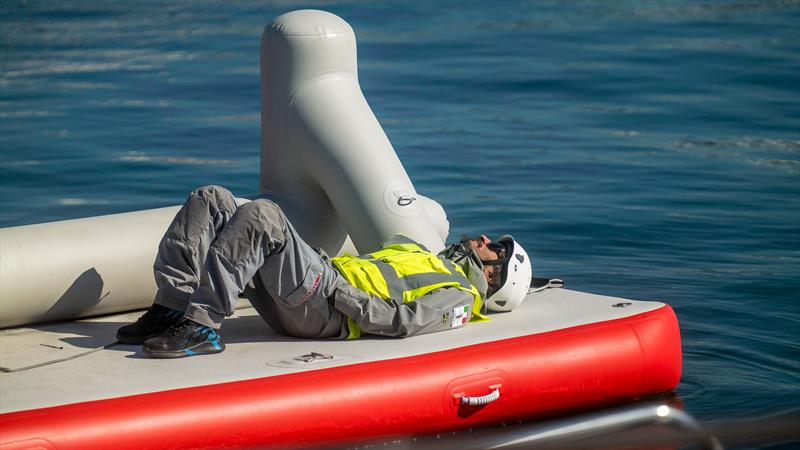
253, 350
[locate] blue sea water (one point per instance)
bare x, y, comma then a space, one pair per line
644, 149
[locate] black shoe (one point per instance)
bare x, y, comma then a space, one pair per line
185, 338
154, 322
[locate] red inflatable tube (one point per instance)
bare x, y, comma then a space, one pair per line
536, 375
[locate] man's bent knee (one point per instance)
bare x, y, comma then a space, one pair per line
212, 192
264, 216
256, 226
264, 209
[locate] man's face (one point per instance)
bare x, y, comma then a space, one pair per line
485, 253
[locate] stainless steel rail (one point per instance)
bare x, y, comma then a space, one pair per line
635, 427
568, 431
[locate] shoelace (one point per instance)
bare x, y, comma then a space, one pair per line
181, 326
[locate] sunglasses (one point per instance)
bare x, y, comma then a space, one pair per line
498, 248
495, 277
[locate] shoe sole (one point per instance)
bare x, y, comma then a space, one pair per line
203, 348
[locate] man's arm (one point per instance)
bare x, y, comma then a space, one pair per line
439, 310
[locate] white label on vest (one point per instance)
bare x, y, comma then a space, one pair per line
460, 316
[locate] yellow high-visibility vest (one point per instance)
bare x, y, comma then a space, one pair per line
404, 271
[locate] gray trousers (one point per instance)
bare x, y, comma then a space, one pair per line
213, 249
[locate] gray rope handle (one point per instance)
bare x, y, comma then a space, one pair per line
483, 400
540, 284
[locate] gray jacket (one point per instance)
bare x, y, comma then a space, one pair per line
440, 310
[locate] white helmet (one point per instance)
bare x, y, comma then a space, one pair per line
515, 276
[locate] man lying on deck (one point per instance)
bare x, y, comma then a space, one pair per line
214, 249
